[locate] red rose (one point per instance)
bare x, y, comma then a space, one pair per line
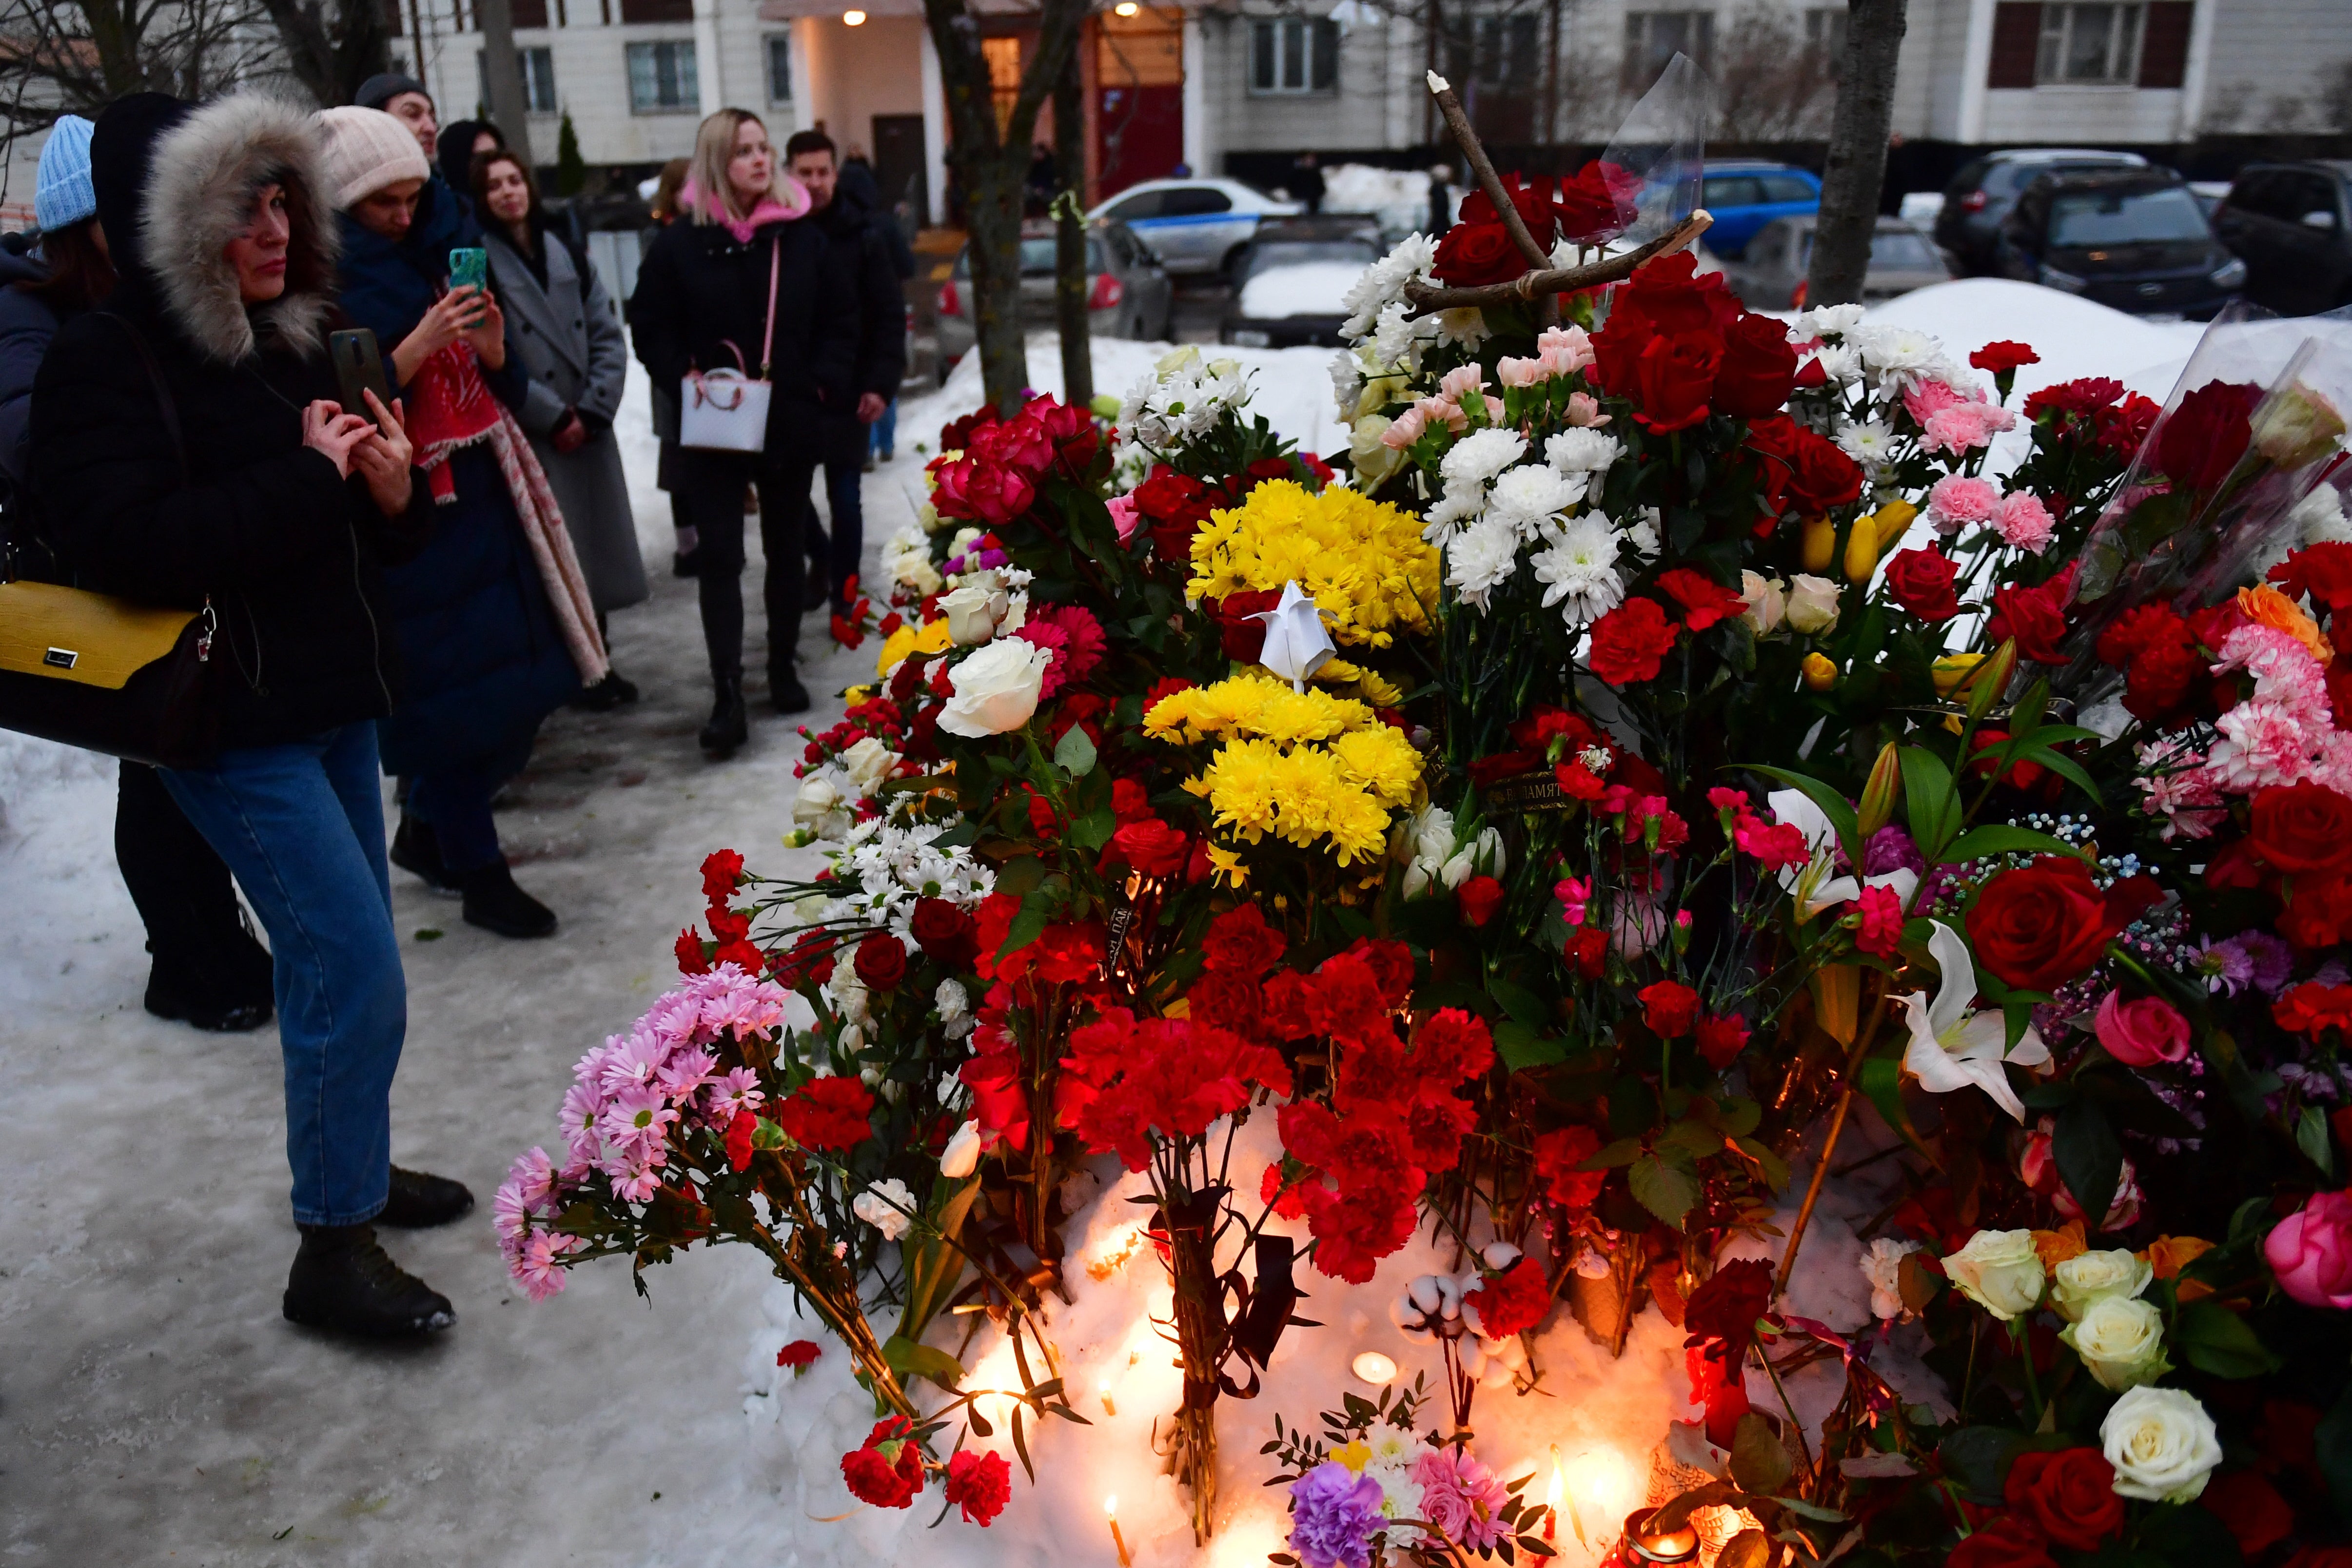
1513, 1301
1475, 253
1240, 634
1673, 296
2004, 1541
1558, 1155
1757, 370
828, 1113
1478, 898
691, 958
1150, 846
1174, 506
881, 961
1630, 641
1019, 443
1673, 378
1704, 600
888, 1470
1533, 198
2068, 1495
2322, 571
1824, 477
998, 494
1070, 950
1721, 1039
2247, 1502
1669, 1007
722, 872
2041, 925
2321, 912
2302, 827
2000, 358
1921, 581
2207, 434
946, 932
1597, 202
979, 1484
2036, 617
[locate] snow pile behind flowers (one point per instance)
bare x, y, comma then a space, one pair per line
1605, 1416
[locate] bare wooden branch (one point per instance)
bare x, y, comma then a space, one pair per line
1561, 280
1483, 168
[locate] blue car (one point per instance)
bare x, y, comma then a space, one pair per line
1743, 196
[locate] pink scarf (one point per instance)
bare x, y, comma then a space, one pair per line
794, 204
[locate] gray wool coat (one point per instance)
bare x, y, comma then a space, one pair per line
571, 345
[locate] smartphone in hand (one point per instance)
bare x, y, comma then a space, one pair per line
359, 369
469, 267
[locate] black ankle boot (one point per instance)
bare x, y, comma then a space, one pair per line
785, 690
419, 1200
234, 1008
343, 1280
417, 851
730, 726
496, 904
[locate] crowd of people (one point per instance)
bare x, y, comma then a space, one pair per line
408, 587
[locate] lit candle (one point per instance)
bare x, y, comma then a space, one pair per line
1374, 1368
1111, 1510
1108, 1408
1552, 1495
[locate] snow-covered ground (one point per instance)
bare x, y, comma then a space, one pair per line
156, 1408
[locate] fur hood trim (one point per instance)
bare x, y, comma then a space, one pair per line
198, 198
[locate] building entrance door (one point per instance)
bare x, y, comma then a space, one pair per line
899, 164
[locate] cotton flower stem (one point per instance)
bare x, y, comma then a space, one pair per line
1862, 1042
1490, 181
1561, 280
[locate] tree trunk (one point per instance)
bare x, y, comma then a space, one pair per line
1856, 168
993, 166
331, 58
1070, 236
502, 73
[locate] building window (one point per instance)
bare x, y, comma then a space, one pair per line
1825, 35
1652, 39
779, 68
2095, 42
1294, 54
538, 77
637, 11
662, 80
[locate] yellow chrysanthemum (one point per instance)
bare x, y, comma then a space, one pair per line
910, 640
1363, 562
1358, 829
1242, 786
1227, 867
1306, 782
1379, 691
1380, 760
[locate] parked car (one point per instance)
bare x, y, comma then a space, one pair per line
1978, 198
1770, 274
2132, 238
1127, 291
1288, 282
1194, 226
2291, 224
1743, 196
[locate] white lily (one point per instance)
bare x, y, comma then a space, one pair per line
1815, 885
1952, 1047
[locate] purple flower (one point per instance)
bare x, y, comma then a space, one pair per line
2226, 965
1461, 1497
1333, 1513
1891, 849
2274, 960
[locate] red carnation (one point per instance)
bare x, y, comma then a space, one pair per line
691, 958
1704, 600
2311, 1008
1239, 941
1511, 1302
1629, 642
1921, 582
1669, 1007
2000, 358
722, 873
881, 961
1558, 1155
888, 1470
2322, 571
739, 1144
829, 1113
1478, 898
979, 1485
798, 1354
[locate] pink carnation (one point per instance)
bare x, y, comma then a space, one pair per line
1958, 500
1460, 381
1584, 410
2025, 523
1565, 350
1522, 371
1927, 399
1461, 1497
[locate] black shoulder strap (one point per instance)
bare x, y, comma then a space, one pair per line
171, 410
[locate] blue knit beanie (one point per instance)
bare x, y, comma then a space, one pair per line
62, 194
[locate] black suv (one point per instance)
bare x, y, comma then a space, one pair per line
1982, 195
2133, 239
2291, 224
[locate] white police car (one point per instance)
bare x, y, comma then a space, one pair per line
1194, 226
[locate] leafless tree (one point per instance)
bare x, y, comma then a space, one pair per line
1772, 84
1856, 166
332, 47
74, 57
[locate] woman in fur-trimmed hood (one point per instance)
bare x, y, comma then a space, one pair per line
187, 451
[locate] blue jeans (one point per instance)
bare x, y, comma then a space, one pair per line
884, 435
839, 555
301, 826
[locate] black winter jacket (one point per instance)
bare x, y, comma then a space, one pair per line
287, 552
699, 287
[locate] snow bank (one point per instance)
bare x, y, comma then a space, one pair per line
1309, 289
1398, 197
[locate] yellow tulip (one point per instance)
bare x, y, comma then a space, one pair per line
1819, 543
1952, 671
1819, 672
1861, 550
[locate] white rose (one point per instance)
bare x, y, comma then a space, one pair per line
1812, 603
1997, 1269
995, 688
970, 621
816, 801
2161, 1443
2121, 1341
961, 1156
1767, 602
868, 762
952, 999
2094, 1276
888, 1206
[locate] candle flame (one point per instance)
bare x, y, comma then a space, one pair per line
1110, 1504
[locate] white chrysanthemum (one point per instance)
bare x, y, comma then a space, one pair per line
1642, 534
1868, 442
1481, 455
1480, 560
1530, 495
1383, 282
1578, 571
1398, 338
1465, 326
1582, 450
1462, 503
1827, 321
888, 1206
1347, 382
1840, 366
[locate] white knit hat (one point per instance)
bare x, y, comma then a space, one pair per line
366, 151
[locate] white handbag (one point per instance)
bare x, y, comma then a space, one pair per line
727, 410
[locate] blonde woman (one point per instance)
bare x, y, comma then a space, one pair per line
702, 304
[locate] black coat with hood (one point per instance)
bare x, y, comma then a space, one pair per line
699, 289
289, 553
856, 231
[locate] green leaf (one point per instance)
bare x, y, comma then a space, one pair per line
1093, 830
1811, 1511
1623, 1152
1881, 1080
1834, 805
1698, 1139
1775, 1169
1978, 1458
1999, 838
2311, 1137
1759, 1462
1520, 1055
1523, 1004
1020, 875
1036, 911
2189, 1535
1074, 753
1928, 801
908, 1359
1665, 1190
2090, 1158
2213, 1339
